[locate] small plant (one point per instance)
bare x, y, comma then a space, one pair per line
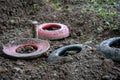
56, 6
95, 4
83, 10
88, 42
106, 14
47, 1
36, 7
111, 2
100, 29
67, 8
87, 0
82, 0
83, 37
113, 27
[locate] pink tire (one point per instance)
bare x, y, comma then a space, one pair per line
10, 49
61, 31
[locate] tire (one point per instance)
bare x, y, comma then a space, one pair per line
61, 31
108, 51
10, 48
57, 54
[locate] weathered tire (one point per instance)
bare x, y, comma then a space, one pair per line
56, 55
61, 32
10, 48
108, 51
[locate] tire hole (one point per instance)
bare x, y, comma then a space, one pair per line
115, 44
51, 27
69, 53
27, 48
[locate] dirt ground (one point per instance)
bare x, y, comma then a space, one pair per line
86, 65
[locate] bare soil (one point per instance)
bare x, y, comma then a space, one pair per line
86, 65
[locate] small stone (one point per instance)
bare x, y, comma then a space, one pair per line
109, 62
66, 59
20, 63
12, 21
18, 69
106, 77
87, 65
35, 22
88, 42
3, 70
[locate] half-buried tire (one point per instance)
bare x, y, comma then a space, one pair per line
58, 54
52, 31
25, 48
110, 48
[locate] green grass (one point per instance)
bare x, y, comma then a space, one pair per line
107, 14
56, 6
103, 9
36, 7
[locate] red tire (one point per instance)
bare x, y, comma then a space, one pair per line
44, 32
10, 49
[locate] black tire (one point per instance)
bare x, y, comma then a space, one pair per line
108, 51
57, 54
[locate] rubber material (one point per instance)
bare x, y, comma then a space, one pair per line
60, 33
108, 51
10, 48
56, 55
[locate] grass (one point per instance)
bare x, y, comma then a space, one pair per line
100, 29
56, 6
36, 7
106, 13
104, 9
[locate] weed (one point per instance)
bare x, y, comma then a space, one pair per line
47, 1
83, 37
106, 14
88, 42
83, 10
100, 29
56, 6
67, 8
103, 8
95, 4
36, 7
83, 0
113, 27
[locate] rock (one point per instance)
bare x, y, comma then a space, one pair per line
20, 63
108, 62
18, 69
66, 59
12, 21
106, 77
34, 22
3, 69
